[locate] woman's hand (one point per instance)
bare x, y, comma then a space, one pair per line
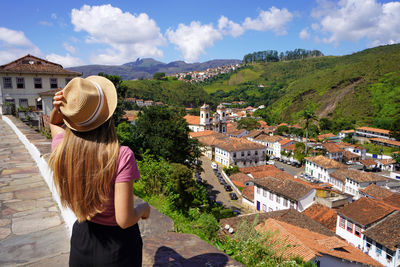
57, 100
56, 117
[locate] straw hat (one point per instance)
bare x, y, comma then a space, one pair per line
88, 103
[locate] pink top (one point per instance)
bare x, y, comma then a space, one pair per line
127, 170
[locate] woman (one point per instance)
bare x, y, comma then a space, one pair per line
94, 175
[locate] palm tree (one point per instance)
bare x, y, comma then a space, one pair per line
309, 116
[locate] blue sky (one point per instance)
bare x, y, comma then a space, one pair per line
116, 32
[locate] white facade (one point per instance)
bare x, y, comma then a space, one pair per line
317, 171
350, 231
196, 128
352, 187
381, 253
266, 200
240, 158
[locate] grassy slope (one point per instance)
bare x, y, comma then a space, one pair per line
363, 86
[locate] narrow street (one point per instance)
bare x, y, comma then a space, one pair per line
217, 189
289, 168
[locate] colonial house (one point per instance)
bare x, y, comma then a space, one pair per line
287, 152
382, 241
362, 152
355, 218
354, 180
386, 164
206, 122
370, 132
320, 167
272, 194
22, 80
209, 141
278, 146
268, 141
239, 152
375, 192
386, 142
345, 133
333, 151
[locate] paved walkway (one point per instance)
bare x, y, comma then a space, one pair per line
32, 231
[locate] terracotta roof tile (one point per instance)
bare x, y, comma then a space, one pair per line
23, 65
248, 193
386, 232
238, 144
323, 136
240, 178
290, 147
269, 138
347, 131
332, 147
255, 169
386, 161
356, 175
203, 133
285, 187
368, 162
386, 141
212, 139
284, 141
192, 120
290, 216
393, 200
377, 191
365, 211
308, 244
323, 215
349, 155
326, 162
377, 130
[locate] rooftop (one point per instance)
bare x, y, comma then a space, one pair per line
376, 130
248, 193
323, 136
238, 144
332, 147
192, 120
325, 162
386, 232
376, 191
202, 133
285, 187
356, 175
323, 215
365, 211
240, 178
386, 141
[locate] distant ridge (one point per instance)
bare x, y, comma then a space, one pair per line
146, 67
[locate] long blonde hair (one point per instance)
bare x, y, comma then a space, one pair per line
83, 165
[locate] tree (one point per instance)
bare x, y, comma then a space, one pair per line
164, 133
121, 93
159, 76
308, 116
248, 124
395, 128
299, 151
282, 129
396, 157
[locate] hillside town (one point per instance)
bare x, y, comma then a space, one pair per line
201, 76
336, 206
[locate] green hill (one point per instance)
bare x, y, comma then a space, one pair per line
171, 92
364, 87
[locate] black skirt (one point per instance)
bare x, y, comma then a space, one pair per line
101, 245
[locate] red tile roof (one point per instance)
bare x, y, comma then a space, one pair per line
376, 130
308, 244
248, 193
240, 179
325, 162
192, 120
386, 232
365, 211
356, 175
323, 136
376, 191
203, 133
31, 64
393, 200
284, 141
289, 147
386, 141
323, 215
368, 162
332, 147
238, 144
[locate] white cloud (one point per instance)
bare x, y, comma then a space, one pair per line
193, 39
129, 36
304, 34
352, 20
14, 44
70, 48
65, 61
229, 27
273, 20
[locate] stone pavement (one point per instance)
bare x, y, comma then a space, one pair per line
32, 231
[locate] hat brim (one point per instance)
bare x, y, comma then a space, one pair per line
110, 104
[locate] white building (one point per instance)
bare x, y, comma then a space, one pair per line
267, 140
370, 132
357, 217
333, 151
239, 152
382, 241
22, 80
278, 146
355, 180
271, 194
320, 167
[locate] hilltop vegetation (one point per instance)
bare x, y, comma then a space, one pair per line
363, 87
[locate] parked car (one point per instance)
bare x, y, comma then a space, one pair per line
236, 211
228, 187
233, 196
270, 162
214, 166
222, 181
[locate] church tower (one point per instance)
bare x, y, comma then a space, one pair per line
222, 118
205, 116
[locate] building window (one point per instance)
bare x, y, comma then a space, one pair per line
265, 193
256, 152
264, 207
350, 227
358, 231
234, 154
7, 82
291, 204
23, 102
378, 249
20, 82
53, 83
258, 190
278, 199
242, 153
285, 202
389, 254
248, 153
37, 82
271, 196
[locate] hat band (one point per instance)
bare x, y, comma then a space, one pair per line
99, 107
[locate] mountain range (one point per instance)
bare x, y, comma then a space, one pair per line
146, 67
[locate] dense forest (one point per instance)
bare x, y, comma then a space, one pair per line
274, 56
